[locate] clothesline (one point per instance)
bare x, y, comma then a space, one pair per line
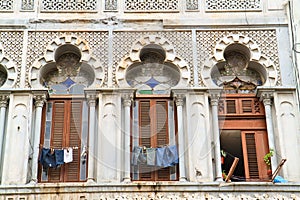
62, 148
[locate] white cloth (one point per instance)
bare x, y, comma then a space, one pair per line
68, 155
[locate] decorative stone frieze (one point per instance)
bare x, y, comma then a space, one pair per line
27, 5
232, 5
6, 5
151, 5
192, 5
111, 5
70, 5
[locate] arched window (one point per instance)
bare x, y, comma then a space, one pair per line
154, 138
241, 114
65, 116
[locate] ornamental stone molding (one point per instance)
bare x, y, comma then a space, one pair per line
170, 57
86, 59
7, 70
261, 62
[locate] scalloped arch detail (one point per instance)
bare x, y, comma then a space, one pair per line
255, 56
134, 57
49, 57
10, 68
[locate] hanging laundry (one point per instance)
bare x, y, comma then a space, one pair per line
138, 156
166, 156
151, 154
59, 157
68, 155
172, 155
47, 158
160, 157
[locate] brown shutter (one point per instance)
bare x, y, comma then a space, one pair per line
255, 146
58, 128
153, 117
72, 169
145, 171
230, 106
247, 106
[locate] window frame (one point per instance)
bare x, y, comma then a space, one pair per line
81, 145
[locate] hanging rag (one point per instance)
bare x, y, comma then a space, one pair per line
138, 156
68, 155
160, 157
172, 155
151, 153
47, 158
59, 157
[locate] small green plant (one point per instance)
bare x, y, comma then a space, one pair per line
267, 157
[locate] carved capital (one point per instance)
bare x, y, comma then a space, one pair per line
40, 100
179, 99
91, 98
266, 97
214, 96
127, 99
3, 100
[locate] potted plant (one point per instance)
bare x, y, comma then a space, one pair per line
223, 155
267, 159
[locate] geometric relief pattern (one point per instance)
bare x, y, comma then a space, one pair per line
38, 41
265, 39
180, 40
232, 5
151, 5
27, 4
78, 5
192, 5
12, 43
111, 4
6, 5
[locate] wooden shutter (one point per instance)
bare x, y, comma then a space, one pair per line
57, 136
66, 132
247, 106
74, 140
255, 146
153, 122
230, 106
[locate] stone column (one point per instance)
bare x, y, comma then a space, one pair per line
266, 97
181, 138
127, 100
214, 101
3, 105
40, 99
91, 99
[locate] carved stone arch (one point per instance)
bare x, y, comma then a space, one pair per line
170, 57
87, 61
260, 62
8, 72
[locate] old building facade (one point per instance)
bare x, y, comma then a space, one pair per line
144, 99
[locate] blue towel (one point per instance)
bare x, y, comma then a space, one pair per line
172, 155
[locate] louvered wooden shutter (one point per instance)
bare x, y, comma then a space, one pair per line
145, 137
66, 132
73, 140
247, 106
153, 117
254, 148
57, 135
230, 106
